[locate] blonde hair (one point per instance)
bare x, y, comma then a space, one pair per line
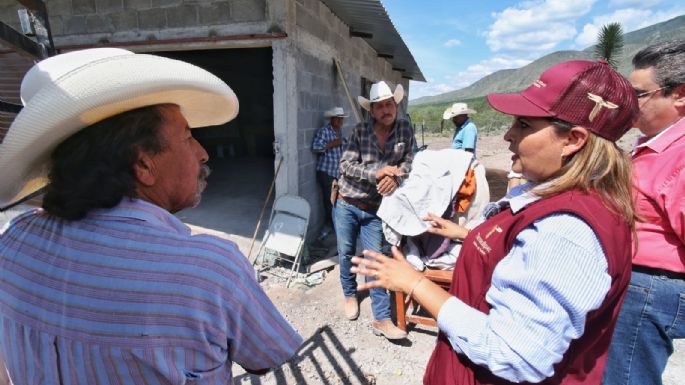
600, 166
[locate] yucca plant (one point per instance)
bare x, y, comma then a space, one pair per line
610, 44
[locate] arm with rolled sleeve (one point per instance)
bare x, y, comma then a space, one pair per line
351, 161
539, 299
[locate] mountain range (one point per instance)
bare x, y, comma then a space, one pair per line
511, 80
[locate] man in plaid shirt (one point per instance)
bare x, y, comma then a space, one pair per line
328, 143
376, 160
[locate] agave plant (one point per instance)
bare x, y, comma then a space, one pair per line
610, 44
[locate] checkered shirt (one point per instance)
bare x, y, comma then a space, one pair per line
329, 160
363, 157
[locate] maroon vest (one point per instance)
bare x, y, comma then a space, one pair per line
487, 244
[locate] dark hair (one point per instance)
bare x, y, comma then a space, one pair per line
94, 167
667, 60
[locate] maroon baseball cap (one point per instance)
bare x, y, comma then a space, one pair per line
584, 93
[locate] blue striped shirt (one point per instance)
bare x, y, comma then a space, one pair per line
128, 296
541, 293
329, 159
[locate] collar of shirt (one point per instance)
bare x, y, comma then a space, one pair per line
467, 121
525, 197
138, 209
662, 140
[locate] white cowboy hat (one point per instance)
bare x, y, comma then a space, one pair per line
457, 109
380, 91
336, 112
65, 93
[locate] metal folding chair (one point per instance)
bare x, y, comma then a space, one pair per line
284, 239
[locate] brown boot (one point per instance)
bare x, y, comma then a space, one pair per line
351, 308
387, 329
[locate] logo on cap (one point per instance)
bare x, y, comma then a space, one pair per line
599, 103
539, 83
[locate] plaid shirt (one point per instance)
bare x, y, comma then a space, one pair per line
329, 160
363, 157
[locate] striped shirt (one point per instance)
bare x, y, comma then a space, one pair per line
128, 296
329, 159
537, 281
363, 157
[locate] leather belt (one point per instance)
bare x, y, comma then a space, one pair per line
361, 205
659, 272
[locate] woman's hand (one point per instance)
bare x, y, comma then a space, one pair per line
394, 274
445, 227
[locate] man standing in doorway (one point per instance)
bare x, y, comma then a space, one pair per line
376, 160
328, 143
465, 131
652, 313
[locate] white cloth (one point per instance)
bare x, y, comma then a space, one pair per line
432, 183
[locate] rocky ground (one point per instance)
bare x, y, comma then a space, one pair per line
338, 351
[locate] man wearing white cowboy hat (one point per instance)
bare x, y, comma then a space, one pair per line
328, 143
104, 284
377, 158
465, 131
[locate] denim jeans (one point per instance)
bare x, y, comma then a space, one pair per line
350, 223
651, 317
325, 181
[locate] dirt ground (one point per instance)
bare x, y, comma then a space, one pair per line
338, 351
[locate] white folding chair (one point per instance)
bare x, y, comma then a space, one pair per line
285, 236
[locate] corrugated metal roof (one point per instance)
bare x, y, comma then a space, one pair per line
370, 17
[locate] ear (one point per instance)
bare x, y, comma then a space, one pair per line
576, 138
144, 170
678, 95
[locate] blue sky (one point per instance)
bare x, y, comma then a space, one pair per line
457, 42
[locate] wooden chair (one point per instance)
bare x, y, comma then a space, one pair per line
406, 307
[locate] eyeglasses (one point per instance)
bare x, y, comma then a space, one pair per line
641, 94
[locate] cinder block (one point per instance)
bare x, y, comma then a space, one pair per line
183, 16
58, 8
99, 24
82, 7
125, 21
137, 4
108, 6
75, 25
152, 19
248, 10
216, 13
165, 3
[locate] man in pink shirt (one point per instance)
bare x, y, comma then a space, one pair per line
653, 312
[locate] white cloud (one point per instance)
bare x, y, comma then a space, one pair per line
429, 88
477, 71
630, 19
452, 43
537, 25
627, 3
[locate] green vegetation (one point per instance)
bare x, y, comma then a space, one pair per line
610, 44
489, 121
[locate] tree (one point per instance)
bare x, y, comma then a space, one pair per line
610, 44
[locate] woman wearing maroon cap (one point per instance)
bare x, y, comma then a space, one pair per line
537, 287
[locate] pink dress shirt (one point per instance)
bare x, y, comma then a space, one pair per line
659, 177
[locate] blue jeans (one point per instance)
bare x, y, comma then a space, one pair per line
350, 223
651, 317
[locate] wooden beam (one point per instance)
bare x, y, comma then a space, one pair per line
353, 105
386, 55
365, 35
10, 107
18, 42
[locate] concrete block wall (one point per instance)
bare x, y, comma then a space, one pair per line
86, 22
320, 37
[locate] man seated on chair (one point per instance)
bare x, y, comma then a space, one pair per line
377, 158
104, 283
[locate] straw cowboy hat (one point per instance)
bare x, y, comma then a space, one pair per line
335, 112
66, 93
457, 109
380, 91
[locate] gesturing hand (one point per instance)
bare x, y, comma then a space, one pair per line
445, 227
391, 273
